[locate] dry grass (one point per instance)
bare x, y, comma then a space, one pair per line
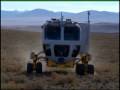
17, 45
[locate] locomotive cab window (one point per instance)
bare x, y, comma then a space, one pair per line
52, 32
71, 33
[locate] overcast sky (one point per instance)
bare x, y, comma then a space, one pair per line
68, 6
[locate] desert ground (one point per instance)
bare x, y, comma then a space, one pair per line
16, 47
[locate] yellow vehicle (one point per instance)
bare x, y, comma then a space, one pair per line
63, 41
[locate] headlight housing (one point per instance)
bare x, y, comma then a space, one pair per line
75, 50
47, 49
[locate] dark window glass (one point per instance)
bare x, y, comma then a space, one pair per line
52, 32
61, 50
71, 33
47, 49
76, 51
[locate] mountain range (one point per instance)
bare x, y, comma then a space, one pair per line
39, 16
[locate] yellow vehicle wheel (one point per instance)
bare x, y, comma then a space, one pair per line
80, 69
39, 67
90, 69
29, 68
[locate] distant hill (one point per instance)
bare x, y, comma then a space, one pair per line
39, 16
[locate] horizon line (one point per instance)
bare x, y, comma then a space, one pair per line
59, 11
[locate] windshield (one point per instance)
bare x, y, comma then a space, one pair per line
52, 32
71, 33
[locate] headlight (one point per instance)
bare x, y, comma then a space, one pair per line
47, 49
46, 46
76, 50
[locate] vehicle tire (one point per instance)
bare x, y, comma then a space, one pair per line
90, 69
38, 67
80, 69
29, 68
